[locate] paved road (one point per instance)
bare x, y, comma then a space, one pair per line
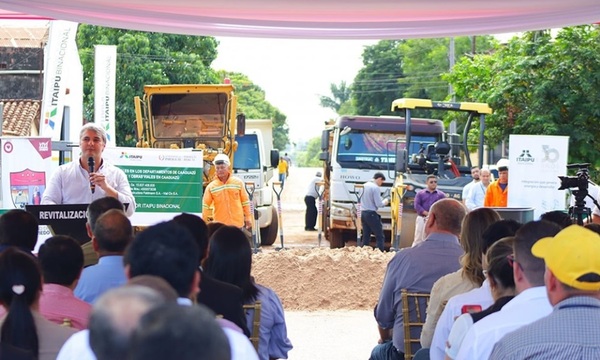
293, 209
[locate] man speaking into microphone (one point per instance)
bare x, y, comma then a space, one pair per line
89, 178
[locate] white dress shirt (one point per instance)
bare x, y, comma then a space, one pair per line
481, 296
70, 184
527, 307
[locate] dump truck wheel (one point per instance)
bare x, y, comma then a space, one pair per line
268, 235
336, 239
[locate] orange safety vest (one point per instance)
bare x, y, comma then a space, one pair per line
230, 202
494, 196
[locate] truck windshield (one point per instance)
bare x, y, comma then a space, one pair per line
247, 155
375, 149
188, 115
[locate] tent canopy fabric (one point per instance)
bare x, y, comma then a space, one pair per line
315, 19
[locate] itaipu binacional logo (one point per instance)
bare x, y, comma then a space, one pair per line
124, 155
525, 157
49, 115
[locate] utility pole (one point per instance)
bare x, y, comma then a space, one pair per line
451, 62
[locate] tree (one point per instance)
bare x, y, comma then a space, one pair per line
309, 157
539, 85
144, 58
341, 96
426, 60
376, 85
409, 68
251, 102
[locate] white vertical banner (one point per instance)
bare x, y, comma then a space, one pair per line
75, 97
105, 69
536, 162
61, 40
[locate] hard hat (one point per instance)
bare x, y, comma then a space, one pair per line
222, 159
502, 164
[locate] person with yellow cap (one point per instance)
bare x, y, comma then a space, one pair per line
572, 281
227, 195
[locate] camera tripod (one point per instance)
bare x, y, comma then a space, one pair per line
577, 211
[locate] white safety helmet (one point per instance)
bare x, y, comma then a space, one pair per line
222, 159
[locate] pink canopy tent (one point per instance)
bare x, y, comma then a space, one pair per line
313, 19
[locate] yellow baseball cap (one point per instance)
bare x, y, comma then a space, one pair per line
573, 255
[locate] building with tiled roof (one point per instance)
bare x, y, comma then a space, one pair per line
20, 117
21, 78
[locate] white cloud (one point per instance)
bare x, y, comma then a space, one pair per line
294, 73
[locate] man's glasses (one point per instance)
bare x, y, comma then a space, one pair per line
433, 181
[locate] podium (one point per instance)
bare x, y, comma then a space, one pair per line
63, 219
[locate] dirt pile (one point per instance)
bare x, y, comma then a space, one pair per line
323, 279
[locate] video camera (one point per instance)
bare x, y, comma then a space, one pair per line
579, 181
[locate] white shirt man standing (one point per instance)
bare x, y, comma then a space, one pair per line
475, 176
476, 192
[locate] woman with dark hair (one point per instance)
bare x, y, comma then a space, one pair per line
468, 277
502, 284
230, 260
23, 328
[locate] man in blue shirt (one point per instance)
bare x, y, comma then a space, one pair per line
112, 234
371, 201
416, 269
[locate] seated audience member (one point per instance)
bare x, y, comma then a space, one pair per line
212, 227
114, 317
24, 328
573, 285
481, 296
168, 250
112, 234
18, 228
61, 260
530, 304
223, 298
230, 260
179, 332
558, 217
502, 284
94, 210
468, 277
155, 283
417, 269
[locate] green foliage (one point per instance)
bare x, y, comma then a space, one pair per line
341, 95
425, 60
143, 58
309, 157
251, 102
408, 68
539, 85
377, 85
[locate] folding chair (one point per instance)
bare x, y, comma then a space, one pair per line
413, 312
255, 328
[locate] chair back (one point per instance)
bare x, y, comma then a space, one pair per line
414, 307
255, 328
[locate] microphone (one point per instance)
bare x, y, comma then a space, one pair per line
91, 164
